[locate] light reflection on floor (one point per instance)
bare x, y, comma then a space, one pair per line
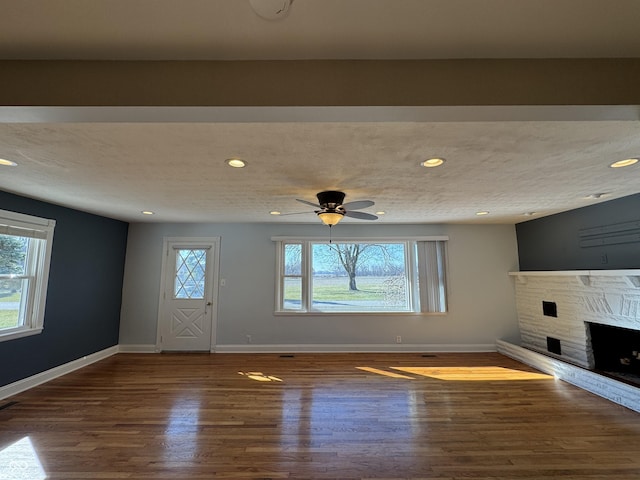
260, 377
316, 419
19, 461
181, 434
477, 374
384, 372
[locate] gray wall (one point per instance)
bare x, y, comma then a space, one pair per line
82, 314
553, 242
481, 303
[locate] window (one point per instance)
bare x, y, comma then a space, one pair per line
25, 253
407, 275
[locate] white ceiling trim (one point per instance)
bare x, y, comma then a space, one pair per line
317, 114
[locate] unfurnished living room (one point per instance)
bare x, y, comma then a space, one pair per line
319, 239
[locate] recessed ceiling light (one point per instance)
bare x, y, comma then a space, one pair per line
624, 163
484, 212
275, 212
596, 196
8, 163
529, 214
147, 212
432, 162
236, 163
380, 213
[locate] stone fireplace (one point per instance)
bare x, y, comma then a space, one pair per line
589, 320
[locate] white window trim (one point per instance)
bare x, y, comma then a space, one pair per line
420, 238
416, 274
41, 229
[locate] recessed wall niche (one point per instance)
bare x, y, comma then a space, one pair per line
553, 346
549, 309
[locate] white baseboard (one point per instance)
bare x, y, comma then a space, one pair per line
605, 387
142, 348
43, 377
356, 348
324, 348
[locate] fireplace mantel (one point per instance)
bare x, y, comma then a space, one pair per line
609, 297
631, 276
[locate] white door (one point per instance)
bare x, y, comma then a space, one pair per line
188, 302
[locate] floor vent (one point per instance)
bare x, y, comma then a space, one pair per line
429, 355
287, 356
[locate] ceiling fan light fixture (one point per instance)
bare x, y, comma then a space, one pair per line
330, 218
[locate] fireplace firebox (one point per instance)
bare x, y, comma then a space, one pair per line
616, 351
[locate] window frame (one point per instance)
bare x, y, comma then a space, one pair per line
283, 276
414, 264
40, 231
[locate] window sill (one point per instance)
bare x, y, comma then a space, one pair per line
18, 333
351, 314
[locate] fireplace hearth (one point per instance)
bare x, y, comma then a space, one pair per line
597, 359
616, 351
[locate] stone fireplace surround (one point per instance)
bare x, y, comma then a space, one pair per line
554, 312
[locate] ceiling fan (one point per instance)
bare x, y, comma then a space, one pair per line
332, 210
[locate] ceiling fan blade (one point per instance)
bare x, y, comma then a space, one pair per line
358, 204
295, 213
308, 203
360, 215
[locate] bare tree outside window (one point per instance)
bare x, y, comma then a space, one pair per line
359, 276
357, 258
293, 259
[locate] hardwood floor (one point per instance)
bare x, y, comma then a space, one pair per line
322, 416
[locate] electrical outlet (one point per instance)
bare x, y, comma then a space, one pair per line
398, 339
248, 338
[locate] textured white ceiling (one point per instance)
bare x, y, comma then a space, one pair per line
178, 170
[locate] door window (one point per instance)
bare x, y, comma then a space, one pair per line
190, 274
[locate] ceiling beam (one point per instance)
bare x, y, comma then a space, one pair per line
321, 83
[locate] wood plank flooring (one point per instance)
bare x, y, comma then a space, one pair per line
315, 416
